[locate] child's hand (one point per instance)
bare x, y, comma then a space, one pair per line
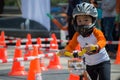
91, 49
61, 52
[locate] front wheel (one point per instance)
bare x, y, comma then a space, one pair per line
81, 77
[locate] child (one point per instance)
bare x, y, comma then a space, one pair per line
97, 62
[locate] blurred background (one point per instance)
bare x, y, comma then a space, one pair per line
15, 24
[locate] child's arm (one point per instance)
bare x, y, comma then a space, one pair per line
70, 47
101, 41
73, 43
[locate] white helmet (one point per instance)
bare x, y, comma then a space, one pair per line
85, 9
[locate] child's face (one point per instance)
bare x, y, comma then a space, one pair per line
84, 20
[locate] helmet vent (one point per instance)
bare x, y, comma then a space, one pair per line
78, 7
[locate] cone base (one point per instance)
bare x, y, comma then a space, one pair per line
55, 67
18, 73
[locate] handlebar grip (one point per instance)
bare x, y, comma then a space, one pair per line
58, 54
68, 54
92, 48
82, 52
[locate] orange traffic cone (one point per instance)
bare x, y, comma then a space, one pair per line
28, 53
18, 43
117, 60
34, 71
27, 48
2, 39
18, 67
54, 63
39, 42
3, 52
78, 77
29, 41
42, 66
39, 45
53, 43
73, 77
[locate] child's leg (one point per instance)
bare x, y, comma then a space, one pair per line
92, 72
104, 70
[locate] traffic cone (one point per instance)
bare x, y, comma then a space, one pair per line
18, 43
27, 48
39, 45
73, 77
28, 52
2, 39
42, 65
117, 60
39, 42
34, 70
18, 67
3, 52
29, 41
54, 63
78, 77
53, 43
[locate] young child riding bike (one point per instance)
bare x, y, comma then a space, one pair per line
87, 35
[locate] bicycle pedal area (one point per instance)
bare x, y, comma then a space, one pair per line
77, 69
